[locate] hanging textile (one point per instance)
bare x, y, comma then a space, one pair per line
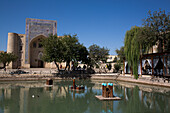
155, 62
129, 69
165, 70
143, 63
150, 62
163, 62
125, 66
161, 72
139, 71
168, 65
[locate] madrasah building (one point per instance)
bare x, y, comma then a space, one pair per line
28, 47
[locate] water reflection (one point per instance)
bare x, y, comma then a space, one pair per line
143, 99
17, 98
107, 106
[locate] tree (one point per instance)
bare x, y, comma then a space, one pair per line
157, 28
96, 53
109, 66
82, 54
120, 54
115, 59
54, 49
139, 40
6, 58
74, 51
132, 49
63, 49
117, 67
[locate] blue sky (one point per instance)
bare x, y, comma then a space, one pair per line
101, 22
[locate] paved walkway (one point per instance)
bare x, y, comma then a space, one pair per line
145, 79
41, 74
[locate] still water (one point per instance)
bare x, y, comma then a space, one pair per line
35, 97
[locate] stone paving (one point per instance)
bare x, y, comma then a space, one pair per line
41, 73
145, 79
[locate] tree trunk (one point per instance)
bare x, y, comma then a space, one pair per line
163, 45
4, 65
67, 65
57, 66
131, 70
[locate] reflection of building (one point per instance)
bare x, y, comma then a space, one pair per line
23, 101
18, 98
28, 46
107, 106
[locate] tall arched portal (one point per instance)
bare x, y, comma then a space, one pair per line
36, 52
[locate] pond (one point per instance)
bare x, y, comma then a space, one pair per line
35, 97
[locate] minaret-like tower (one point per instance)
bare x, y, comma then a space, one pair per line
12, 47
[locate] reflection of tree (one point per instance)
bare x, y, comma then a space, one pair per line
62, 104
118, 89
159, 101
60, 99
133, 104
92, 101
151, 102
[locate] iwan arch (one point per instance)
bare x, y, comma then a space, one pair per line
28, 47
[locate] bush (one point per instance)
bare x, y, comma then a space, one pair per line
97, 66
90, 71
116, 67
109, 67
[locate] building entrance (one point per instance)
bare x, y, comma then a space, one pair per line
40, 64
36, 52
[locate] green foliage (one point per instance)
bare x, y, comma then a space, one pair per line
53, 49
117, 67
74, 51
145, 37
97, 66
109, 66
157, 28
91, 63
115, 59
168, 45
82, 54
97, 54
120, 54
132, 49
64, 49
139, 40
6, 58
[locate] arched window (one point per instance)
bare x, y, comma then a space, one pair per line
40, 56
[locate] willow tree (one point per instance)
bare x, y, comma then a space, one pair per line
132, 49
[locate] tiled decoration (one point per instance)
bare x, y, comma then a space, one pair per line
36, 27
